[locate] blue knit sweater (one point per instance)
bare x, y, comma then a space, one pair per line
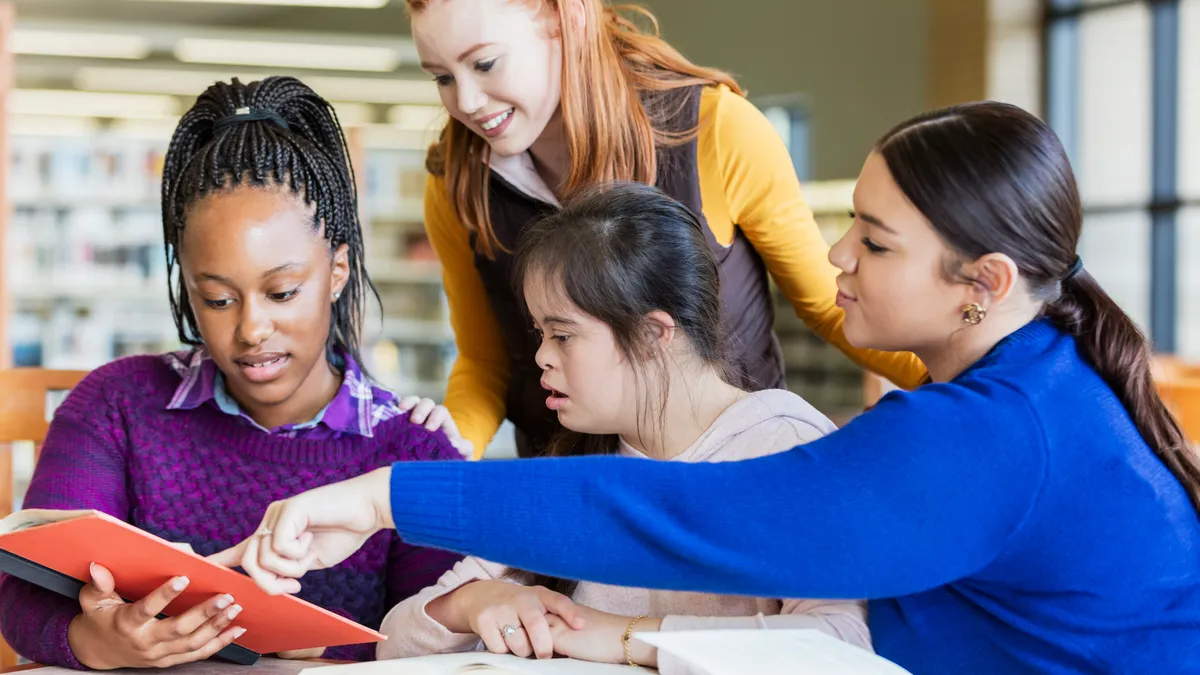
1011, 521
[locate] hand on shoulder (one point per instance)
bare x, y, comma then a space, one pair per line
433, 417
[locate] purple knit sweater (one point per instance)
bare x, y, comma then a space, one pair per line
204, 477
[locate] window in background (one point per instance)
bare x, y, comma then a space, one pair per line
1189, 104
1114, 108
789, 115
1115, 247
1188, 254
1120, 79
1188, 251
1014, 54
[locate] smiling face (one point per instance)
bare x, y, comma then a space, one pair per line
893, 285
497, 64
261, 282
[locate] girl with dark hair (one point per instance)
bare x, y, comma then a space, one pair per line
1032, 510
265, 250
545, 97
624, 295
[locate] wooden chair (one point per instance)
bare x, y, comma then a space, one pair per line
28, 397
874, 387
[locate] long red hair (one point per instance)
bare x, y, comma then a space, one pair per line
610, 132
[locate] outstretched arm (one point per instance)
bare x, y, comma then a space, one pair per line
924, 489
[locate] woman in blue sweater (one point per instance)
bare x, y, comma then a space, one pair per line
1032, 509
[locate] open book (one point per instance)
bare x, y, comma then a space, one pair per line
477, 663
769, 652
55, 549
712, 652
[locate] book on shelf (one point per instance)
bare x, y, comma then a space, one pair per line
710, 652
55, 549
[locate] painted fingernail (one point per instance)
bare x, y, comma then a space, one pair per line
224, 601
180, 583
239, 632
233, 612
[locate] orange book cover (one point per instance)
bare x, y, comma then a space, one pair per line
70, 541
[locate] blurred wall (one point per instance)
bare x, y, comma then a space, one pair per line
862, 63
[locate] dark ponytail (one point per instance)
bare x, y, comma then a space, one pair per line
1118, 350
993, 178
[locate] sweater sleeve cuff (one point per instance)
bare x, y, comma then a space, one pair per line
427, 503
57, 643
412, 632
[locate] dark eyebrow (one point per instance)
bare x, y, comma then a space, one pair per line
286, 267
872, 220
558, 320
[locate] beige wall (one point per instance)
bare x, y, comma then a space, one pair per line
863, 63
956, 52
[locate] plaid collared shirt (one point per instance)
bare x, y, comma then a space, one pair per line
359, 406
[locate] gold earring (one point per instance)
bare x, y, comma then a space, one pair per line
973, 313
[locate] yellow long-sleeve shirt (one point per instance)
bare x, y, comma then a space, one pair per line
747, 181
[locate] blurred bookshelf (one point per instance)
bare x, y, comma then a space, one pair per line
87, 275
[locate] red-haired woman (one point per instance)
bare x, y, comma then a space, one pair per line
547, 96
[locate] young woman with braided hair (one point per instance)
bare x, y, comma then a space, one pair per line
265, 255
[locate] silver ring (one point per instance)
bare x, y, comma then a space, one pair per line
264, 532
508, 630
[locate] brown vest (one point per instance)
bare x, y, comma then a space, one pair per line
747, 311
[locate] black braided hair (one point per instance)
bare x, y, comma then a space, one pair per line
309, 157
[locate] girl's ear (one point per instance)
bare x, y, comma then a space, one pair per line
339, 273
995, 276
662, 330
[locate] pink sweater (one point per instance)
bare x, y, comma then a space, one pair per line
763, 423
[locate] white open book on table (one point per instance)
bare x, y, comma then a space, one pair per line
711, 652
476, 663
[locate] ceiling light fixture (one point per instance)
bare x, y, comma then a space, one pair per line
390, 137
69, 103
349, 4
390, 90
79, 44
423, 118
144, 130
42, 126
154, 80
286, 54
353, 114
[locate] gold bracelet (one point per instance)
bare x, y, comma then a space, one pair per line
629, 634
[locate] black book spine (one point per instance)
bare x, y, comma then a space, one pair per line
52, 580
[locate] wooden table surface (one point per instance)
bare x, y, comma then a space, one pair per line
35, 666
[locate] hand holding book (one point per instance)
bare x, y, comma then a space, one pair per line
111, 633
100, 561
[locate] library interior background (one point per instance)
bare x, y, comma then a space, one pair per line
92, 90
